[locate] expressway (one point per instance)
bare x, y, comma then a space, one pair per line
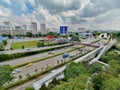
26, 59
42, 65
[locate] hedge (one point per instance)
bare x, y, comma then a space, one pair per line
40, 73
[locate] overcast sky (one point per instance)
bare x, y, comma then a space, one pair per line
98, 14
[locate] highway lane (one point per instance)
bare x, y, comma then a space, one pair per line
26, 59
42, 65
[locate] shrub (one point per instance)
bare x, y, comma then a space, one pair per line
4, 42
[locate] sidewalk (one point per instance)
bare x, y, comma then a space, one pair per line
9, 42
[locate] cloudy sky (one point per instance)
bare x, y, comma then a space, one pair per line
96, 14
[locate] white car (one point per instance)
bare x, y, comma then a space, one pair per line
13, 72
17, 70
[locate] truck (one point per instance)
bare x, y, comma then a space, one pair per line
65, 55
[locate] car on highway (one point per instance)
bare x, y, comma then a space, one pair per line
27, 48
29, 64
18, 70
13, 72
51, 52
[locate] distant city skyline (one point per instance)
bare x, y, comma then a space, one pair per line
89, 14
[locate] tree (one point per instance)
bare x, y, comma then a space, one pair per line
4, 42
1, 47
95, 33
73, 70
40, 44
29, 88
2, 57
29, 34
23, 47
5, 74
39, 34
75, 38
111, 84
43, 87
53, 34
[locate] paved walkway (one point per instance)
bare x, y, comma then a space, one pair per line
9, 42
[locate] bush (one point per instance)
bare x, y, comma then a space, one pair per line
40, 44
1, 47
29, 88
118, 46
4, 42
23, 47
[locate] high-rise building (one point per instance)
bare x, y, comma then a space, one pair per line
24, 27
63, 30
43, 28
34, 27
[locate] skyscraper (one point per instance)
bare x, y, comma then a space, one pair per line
34, 27
43, 28
63, 30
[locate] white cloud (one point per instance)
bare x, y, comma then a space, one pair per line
8, 1
83, 13
5, 12
24, 8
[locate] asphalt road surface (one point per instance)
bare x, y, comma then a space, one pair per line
26, 59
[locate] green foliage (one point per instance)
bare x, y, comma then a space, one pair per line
111, 84
118, 46
4, 42
6, 35
2, 57
73, 70
26, 44
5, 74
51, 85
43, 87
109, 56
23, 47
95, 68
40, 44
77, 83
29, 34
53, 34
1, 47
95, 33
39, 34
75, 38
29, 88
